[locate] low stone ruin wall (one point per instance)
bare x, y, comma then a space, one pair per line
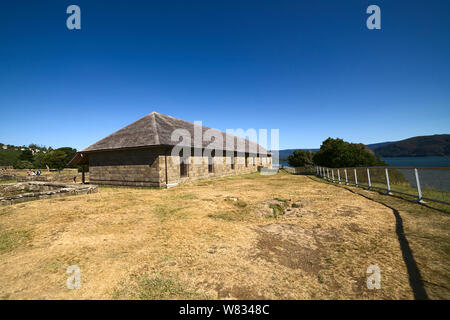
28, 191
58, 177
8, 176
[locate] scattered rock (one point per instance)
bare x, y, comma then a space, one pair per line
280, 208
27, 191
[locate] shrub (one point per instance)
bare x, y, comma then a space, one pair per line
337, 153
301, 158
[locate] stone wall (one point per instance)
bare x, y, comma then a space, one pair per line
12, 193
126, 168
8, 176
56, 177
198, 168
147, 168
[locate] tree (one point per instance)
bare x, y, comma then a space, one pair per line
55, 159
337, 153
9, 157
39, 159
23, 164
70, 152
26, 155
301, 158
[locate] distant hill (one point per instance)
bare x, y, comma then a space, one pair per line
10, 154
284, 154
374, 146
422, 146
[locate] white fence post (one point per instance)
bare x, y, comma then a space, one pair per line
368, 178
419, 190
328, 174
387, 182
346, 178
332, 175
339, 177
356, 178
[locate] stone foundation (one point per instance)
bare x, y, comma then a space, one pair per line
12, 193
57, 177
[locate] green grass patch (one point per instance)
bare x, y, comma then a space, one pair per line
281, 200
10, 240
238, 214
249, 176
156, 287
237, 202
277, 209
203, 183
166, 212
182, 196
430, 193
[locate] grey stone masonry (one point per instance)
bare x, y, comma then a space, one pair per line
147, 167
12, 193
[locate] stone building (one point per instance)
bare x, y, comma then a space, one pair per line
141, 154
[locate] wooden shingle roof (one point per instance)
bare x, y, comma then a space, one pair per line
155, 129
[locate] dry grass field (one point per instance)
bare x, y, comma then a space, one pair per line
241, 237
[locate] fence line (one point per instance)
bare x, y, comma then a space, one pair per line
409, 181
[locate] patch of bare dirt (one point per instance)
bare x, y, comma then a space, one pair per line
354, 227
293, 246
239, 292
348, 211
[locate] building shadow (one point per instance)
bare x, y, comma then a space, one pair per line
415, 278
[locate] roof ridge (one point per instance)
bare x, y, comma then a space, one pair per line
155, 129
155, 126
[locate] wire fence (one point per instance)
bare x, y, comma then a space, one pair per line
298, 170
424, 183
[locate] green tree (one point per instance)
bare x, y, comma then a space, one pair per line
9, 157
39, 159
301, 158
55, 159
26, 155
70, 152
337, 153
23, 164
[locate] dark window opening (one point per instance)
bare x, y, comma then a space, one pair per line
183, 169
210, 165
232, 162
246, 161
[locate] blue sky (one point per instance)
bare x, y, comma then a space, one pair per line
309, 68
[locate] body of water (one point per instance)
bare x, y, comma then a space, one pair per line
438, 180
418, 161
411, 162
